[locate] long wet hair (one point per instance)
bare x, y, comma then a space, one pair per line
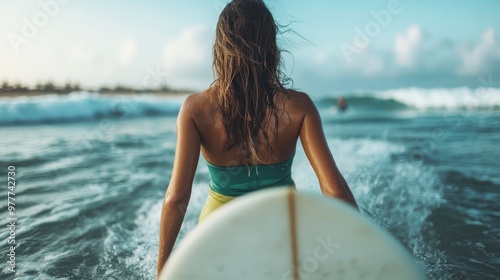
247, 63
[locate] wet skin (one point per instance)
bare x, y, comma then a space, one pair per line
200, 128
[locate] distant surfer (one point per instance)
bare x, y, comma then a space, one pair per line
341, 104
246, 125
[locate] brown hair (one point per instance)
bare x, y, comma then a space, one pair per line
247, 63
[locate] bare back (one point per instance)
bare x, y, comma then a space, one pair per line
200, 129
214, 139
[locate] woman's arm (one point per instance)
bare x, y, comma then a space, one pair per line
313, 140
179, 189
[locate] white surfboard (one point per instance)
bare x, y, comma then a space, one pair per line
284, 234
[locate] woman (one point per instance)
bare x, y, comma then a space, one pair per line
246, 124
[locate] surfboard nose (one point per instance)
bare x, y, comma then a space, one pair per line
284, 234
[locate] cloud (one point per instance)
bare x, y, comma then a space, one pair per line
418, 58
407, 46
91, 66
10, 63
188, 57
328, 63
479, 58
79, 54
127, 52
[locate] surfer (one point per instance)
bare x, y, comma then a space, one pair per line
341, 104
246, 124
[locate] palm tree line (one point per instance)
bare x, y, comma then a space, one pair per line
68, 87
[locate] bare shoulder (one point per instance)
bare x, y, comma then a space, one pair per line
194, 103
198, 107
300, 102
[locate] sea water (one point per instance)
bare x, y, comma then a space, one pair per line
92, 170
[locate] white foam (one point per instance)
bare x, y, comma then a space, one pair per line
348, 154
390, 189
448, 98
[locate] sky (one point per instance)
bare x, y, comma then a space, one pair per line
330, 46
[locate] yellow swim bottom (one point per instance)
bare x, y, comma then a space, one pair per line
214, 201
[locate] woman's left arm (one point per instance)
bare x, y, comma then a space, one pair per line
177, 196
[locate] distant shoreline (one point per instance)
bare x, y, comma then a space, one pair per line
33, 93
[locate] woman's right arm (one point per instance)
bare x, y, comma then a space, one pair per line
331, 181
178, 193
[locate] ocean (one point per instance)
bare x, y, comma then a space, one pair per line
91, 171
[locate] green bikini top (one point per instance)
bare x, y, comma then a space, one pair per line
239, 180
